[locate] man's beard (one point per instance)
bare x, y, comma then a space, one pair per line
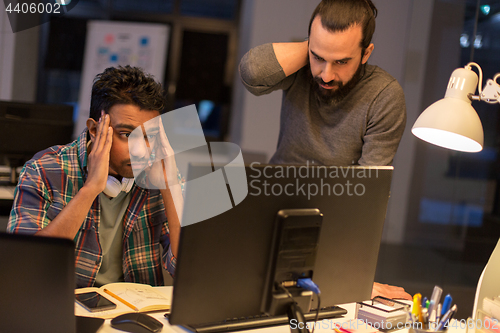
333, 96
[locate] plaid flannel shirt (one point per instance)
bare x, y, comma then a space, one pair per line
53, 177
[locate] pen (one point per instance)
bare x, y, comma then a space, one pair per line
121, 300
446, 304
425, 317
447, 317
432, 316
438, 313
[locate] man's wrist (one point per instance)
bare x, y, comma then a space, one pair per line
90, 190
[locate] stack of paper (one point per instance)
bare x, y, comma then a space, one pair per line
382, 317
489, 316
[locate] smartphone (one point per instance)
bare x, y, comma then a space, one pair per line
94, 301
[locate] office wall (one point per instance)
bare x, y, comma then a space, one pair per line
401, 40
6, 55
255, 120
405, 57
18, 61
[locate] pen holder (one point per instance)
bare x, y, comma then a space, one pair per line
427, 330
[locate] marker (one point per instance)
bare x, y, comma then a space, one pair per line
446, 304
416, 309
435, 298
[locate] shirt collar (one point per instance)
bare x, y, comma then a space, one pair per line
82, 140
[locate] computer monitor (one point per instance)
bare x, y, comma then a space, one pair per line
223, 262
27, 128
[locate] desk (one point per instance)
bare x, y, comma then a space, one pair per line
350, 307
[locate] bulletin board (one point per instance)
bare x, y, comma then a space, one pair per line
112, 43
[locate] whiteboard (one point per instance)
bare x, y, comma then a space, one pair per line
113, 43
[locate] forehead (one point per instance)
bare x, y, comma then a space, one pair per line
335, 45
127, 115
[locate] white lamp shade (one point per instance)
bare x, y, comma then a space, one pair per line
451, 123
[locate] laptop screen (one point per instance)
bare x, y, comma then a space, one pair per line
37, 284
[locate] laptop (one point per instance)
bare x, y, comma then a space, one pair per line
223, 262
37, 286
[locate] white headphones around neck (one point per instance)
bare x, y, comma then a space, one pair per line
114, 186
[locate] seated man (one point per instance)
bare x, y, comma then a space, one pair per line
84, 190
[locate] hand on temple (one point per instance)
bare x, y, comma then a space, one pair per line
389, 291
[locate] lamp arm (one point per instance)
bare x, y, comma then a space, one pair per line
497, 75
480, 84
491, 92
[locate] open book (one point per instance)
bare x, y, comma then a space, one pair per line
141, 296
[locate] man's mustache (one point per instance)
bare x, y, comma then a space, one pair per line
332, 83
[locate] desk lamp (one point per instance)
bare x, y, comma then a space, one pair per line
452, 122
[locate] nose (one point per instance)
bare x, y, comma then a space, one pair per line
328, 73
137, 147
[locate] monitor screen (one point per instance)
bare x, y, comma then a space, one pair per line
223, 262
27, 128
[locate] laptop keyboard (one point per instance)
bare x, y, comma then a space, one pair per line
242, 323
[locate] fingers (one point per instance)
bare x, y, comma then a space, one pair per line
103, 133
165, 144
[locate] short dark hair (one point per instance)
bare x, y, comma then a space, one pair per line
125, 85
339, 15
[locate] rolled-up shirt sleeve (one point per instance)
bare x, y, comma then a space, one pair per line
261, 72
32, 204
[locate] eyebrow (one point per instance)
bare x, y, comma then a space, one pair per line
126, 126
130, 127
343, 59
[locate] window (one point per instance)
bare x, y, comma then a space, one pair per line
200, 61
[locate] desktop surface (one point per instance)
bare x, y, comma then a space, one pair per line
321, 326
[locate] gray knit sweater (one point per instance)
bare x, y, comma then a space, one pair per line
364, 128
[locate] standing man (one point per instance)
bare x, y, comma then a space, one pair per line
336, 109
85, 190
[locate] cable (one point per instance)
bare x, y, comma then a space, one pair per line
286, 291
317, 313
308, 284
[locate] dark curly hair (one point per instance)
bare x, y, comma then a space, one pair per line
125, 85
339, 15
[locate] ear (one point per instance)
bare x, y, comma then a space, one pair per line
368, 53
92, 127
